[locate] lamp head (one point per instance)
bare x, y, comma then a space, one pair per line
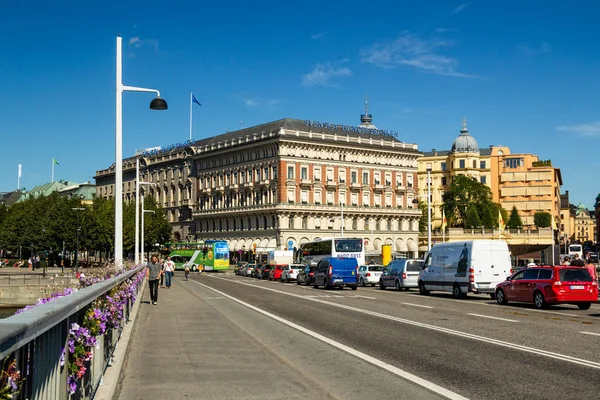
158, 104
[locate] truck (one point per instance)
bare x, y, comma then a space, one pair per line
280, 257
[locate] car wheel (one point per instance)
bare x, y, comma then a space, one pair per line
456, 292
500, 297
422, 289
584, 306
354, 287
315, 284
493, 296
372, 285
362, 282
398, 288
298, 282
381, 286
538, 300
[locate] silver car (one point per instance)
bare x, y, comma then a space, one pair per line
401, 274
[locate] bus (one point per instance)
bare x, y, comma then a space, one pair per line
576, 249
312, 252
210, 255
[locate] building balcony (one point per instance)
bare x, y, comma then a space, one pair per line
330, 183
378, 186
248, 184
355, 185
306, 182
264, 182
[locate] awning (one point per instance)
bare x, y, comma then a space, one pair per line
232, 244
401, 246
412, 245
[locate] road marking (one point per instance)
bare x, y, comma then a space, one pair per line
362, 297
496, 318
417, 305
365, 357
590, 333
513, 346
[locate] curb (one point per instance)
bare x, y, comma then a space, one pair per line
110, 379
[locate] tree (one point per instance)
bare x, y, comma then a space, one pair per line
463, 193
424, 217
472, 219
488, 217
514, 221
542, 219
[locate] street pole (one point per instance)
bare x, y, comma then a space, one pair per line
136, 251
429, 207
62, 261
77, 250
342, 220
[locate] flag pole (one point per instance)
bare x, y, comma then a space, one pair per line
52, 169
191, 94
19, 178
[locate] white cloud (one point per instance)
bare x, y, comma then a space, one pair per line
591, 129
318, 35
414, 52
528, 50
251, 102
135, 41
444, 30
460, 8
322, 73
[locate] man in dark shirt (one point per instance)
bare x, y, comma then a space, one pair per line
153, 273
577, 262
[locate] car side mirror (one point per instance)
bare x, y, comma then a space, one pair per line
509, 278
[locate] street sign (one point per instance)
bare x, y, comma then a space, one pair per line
290, 243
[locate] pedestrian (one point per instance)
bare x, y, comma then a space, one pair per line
567, 261
372, 262
186, 269
153, 274
592, 270
162, 275
577, 262
30, 264
169, 269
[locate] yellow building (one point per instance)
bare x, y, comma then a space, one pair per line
585, 225
519, 180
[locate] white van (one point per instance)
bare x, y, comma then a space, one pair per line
468, 266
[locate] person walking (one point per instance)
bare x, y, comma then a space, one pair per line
186, 269
162, 276
153, 274
577, 262
169, 269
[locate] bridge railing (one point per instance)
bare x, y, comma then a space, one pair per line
37, 340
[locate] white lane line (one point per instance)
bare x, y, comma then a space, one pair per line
365, 357
465, 335
363, 297
496, 318
417, 305
590, 333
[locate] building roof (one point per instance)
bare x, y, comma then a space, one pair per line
465, 143
47, 189
435, 153
9, 198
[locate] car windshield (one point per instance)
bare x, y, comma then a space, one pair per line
376, 268
575, 275
414, 266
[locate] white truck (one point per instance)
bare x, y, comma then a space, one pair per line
280, 257
475, 266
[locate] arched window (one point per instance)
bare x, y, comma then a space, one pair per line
265, 222
241, 224
213, 226
257, 225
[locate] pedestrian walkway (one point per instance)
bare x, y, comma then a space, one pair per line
185, 347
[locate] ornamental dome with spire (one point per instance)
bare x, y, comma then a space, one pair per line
465, 143
366, 119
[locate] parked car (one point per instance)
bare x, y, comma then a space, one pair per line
334, 271
249, 268
240, 269
369, 274
265, 271
276, 271
306, 276
475, 266
290, 272
256, 271
543, 286
401, 274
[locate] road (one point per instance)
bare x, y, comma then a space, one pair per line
370, 343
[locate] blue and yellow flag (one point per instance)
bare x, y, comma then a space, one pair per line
195, 101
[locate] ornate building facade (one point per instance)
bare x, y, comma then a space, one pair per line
283, 183
519, 180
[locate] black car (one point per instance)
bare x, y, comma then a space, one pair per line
264, 272
307, 275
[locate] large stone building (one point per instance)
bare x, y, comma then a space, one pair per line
519, 180
283, 183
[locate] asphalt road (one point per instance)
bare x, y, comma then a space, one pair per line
269, 340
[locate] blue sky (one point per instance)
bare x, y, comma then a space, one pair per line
525, 74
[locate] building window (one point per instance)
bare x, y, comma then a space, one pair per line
366, 200
353, 178
304, 223
304, 173
367, 224
342, 175
443, 166
399, 179
329, 197
304, 196
483, 179
354, 199
257, 171
329, 175
461, 163
342, 198
513, 162
354, 224
290, 174
377, 200
474, 164
266, 175
318, 197
409, 178
481, 164
365, 178
317, 174
291, 223
388, 178
291, 195
377, 176
443, 181
388, 200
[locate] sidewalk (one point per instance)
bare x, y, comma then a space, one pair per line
187, 347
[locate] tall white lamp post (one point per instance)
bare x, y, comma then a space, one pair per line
157, 104
142, 244
428, 207
138, 248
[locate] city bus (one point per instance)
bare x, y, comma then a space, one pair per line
210, 255
576, 249
312, 252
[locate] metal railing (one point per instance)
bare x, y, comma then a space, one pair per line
36, 339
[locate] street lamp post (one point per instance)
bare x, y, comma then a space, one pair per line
428, 207
157, 104
142, 242
138, 247
77, 240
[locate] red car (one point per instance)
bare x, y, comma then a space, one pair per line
547, 285
276, 272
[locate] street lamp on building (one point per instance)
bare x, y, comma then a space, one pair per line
138, 249
76, 261
157, 104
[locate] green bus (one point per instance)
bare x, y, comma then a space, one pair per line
210, 255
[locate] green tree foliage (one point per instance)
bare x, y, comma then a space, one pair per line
45, 223
423, 220
514, 221
464, 193
472, 219
542, 219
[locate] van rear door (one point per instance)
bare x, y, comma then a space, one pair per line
490, 263
343, 270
